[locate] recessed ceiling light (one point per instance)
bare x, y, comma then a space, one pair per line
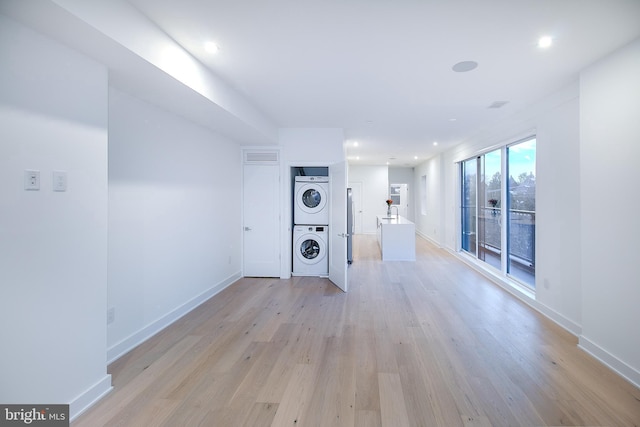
435, 143
415, 157
387, 163
211, 47
452, 119
357, 157
545, 42
464, 66
355, 143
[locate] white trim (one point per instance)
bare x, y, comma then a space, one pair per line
428, 238
92, 395
137, 338
617, 365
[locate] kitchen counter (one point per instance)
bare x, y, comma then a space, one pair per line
397, 238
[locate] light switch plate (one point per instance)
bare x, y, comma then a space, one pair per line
59, 181
31, 180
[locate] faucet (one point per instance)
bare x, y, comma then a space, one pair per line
397, 215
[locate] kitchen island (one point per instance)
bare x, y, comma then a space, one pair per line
397, 238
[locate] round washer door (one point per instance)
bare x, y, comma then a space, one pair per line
311, 198
310, 249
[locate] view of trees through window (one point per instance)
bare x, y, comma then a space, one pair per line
483, 210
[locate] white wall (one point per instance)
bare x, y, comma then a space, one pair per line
174, 218
312, 146
375, 190
53, 245
610, 149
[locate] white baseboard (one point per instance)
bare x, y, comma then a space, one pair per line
625, 371
134, 340
83, 402
558, 318
428, 238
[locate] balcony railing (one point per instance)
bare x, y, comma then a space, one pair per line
522, 229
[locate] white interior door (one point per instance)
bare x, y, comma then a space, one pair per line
338, 225
261, 235
356, 195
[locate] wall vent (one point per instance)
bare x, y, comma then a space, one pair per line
261, 157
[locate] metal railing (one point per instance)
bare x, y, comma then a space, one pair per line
522, 229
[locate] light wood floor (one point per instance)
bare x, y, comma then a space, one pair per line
429, 343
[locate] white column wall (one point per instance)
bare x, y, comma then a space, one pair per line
610, 150
53, 245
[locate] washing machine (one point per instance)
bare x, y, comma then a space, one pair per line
310, 250
311, 206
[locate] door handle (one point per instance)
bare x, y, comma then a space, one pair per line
343, 234
247, 229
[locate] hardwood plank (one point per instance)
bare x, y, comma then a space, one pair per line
367, 396
127, 401
366, 418
297, 396
426, 343
393, 410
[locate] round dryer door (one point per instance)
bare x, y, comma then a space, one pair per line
311, 198
311, 249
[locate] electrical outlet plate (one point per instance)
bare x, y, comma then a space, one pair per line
59, 181
31, 180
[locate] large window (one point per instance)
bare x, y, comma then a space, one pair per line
469, 205
521, 191
484, 234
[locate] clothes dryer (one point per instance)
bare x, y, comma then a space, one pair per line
310, 250
311, 205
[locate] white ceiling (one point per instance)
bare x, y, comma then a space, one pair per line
381, 69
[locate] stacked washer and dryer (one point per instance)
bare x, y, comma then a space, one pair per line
311, 229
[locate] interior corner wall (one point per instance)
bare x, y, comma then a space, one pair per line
609, 131
174, 218
53, 245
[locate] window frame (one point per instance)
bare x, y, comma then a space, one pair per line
504, 208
